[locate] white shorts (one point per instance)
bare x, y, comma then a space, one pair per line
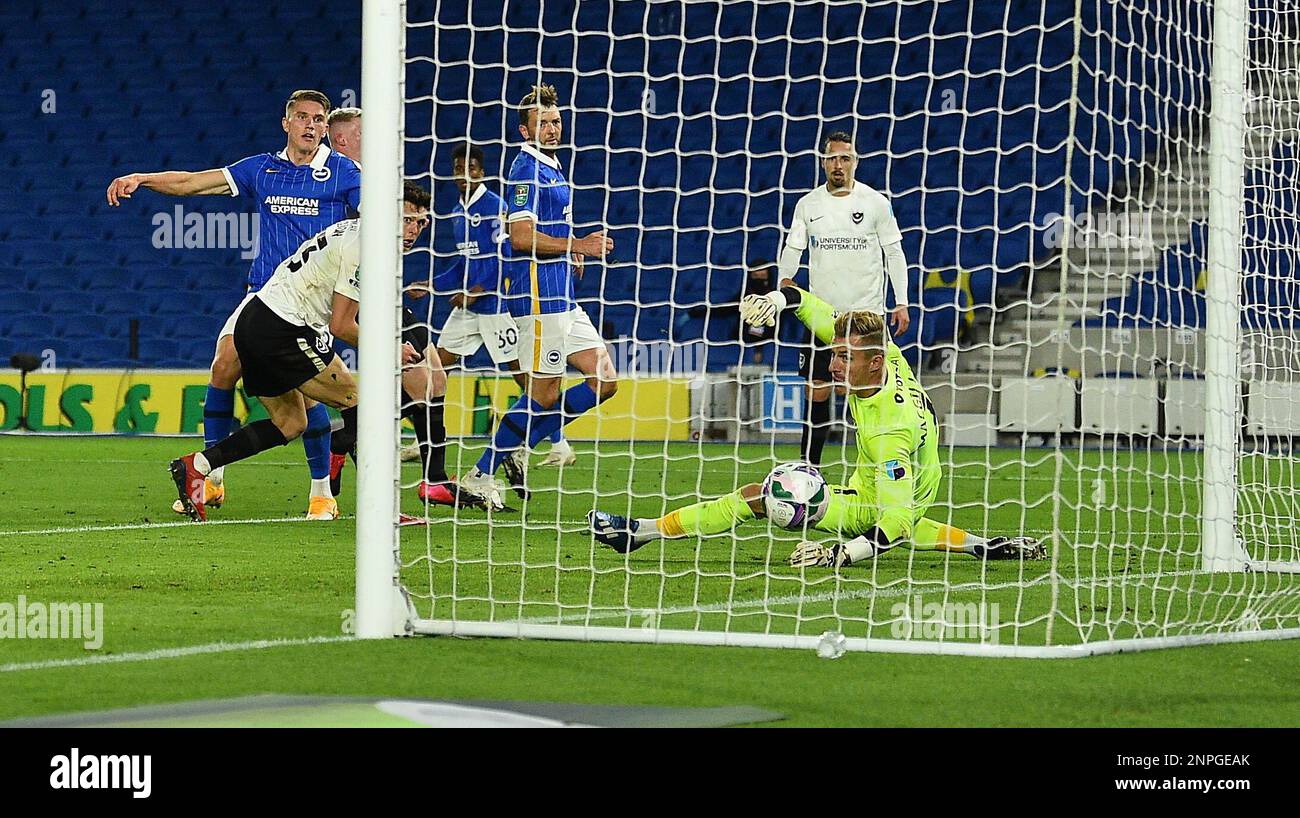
546, 341
466, 331
229, 327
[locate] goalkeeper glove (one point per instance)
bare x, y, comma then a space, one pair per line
869, 545
761, 310
813, 554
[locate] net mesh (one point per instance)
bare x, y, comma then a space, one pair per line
1048, 165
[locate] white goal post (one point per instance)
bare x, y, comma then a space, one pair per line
1099, 207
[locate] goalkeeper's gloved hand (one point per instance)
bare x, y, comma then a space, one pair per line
761, 310
815, 554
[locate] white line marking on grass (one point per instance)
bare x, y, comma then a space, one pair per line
83, 529
171, 653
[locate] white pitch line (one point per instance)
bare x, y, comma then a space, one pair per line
84, 529
171, 653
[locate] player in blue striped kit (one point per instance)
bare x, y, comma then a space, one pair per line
553, 329
299, 191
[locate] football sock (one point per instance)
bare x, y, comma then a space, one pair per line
344, 441
320, 487
248, 441
316, 442
557, 435
701, 519
430, 435
929, 535
512, 431
218, 417
576, 401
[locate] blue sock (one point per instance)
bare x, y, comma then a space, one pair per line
218, 415
557, 435
512, 431
316, 441
575, 402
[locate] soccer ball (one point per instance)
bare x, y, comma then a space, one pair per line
795, 494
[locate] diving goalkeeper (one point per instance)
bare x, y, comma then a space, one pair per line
898, 472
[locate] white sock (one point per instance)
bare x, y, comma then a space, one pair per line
205, 468
321, 487
647, 529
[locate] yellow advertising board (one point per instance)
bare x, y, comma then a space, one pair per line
163, 401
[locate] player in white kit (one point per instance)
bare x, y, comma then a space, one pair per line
852, 240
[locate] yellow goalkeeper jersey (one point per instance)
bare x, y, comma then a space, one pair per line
898, 445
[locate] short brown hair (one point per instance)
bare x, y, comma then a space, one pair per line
837, 136
863, 324
542, 96
309, 96
342, 114
415, 194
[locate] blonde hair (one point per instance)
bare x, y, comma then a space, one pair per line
867, 326
309, 96
343, 115
542, 96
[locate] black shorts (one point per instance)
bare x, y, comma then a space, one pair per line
278, 356
815, 361
414, 331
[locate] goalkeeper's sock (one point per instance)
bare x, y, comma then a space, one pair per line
248, 441
817, 430
431, 437
929, 535
700, 520
575, 402
512, 431
316, 442
218, 417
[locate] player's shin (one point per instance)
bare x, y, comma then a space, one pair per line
248, 441
930, 535
316, 444
218, 417
699, 520
576, 401
511, 432
430, 436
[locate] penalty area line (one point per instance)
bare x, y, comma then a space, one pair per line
172, 653
85, 529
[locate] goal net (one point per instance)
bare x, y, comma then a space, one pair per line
1098, 208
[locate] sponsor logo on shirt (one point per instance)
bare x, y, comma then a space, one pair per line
293, 205
894, 470
837, 243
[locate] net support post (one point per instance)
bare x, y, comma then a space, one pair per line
1219, 548
377, 360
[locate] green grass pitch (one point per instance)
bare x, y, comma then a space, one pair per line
89, 520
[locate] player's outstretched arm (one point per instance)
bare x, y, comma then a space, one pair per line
170, 183
526, 238
817, 315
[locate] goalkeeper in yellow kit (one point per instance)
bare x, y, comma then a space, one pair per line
898, 472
